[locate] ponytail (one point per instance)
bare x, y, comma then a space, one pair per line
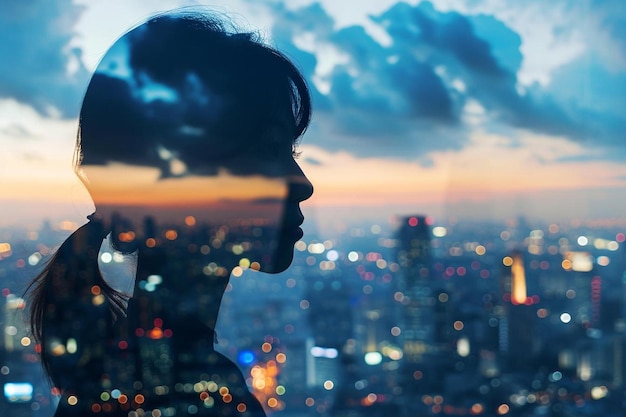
72, 309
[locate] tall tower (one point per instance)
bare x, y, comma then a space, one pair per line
518, 279
417, 315
518, 342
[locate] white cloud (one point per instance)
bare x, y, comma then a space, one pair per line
102, 23
546, 46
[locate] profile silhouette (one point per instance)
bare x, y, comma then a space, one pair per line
186, 144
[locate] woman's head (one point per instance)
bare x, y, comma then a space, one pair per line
181, 83
182, 114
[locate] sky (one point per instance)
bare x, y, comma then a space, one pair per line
478, 109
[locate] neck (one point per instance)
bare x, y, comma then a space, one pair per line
173, 284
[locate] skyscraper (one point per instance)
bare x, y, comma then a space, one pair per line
417, 302
519, 345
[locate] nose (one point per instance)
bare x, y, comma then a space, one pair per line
300, 188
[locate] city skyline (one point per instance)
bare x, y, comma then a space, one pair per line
488, 353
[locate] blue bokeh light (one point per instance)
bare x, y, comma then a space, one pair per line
246, 357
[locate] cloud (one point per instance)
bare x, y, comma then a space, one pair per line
504, 42
593, 86
288, 25
376, 80
374, 100
39, 66
401, 95
16, 130
450, 41
312, 161
610, 21
409, 94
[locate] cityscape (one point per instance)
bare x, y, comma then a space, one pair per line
442, 271
413, 316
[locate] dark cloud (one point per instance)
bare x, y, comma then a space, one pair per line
409, 94
383, 83
311, 19
424, 90
504, 43
312, 161
422, 27
449, 40
37, 57
376, 95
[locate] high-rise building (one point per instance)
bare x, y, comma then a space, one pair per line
519, 345
518, 279
330, 320
417, 305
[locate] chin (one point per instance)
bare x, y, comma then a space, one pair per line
282, 260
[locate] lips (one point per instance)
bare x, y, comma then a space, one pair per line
292, 230
292, 221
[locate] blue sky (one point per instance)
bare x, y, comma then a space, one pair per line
461, 108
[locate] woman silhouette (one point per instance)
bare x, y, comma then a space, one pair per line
186, 145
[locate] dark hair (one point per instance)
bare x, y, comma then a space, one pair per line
231, 83
243, 73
